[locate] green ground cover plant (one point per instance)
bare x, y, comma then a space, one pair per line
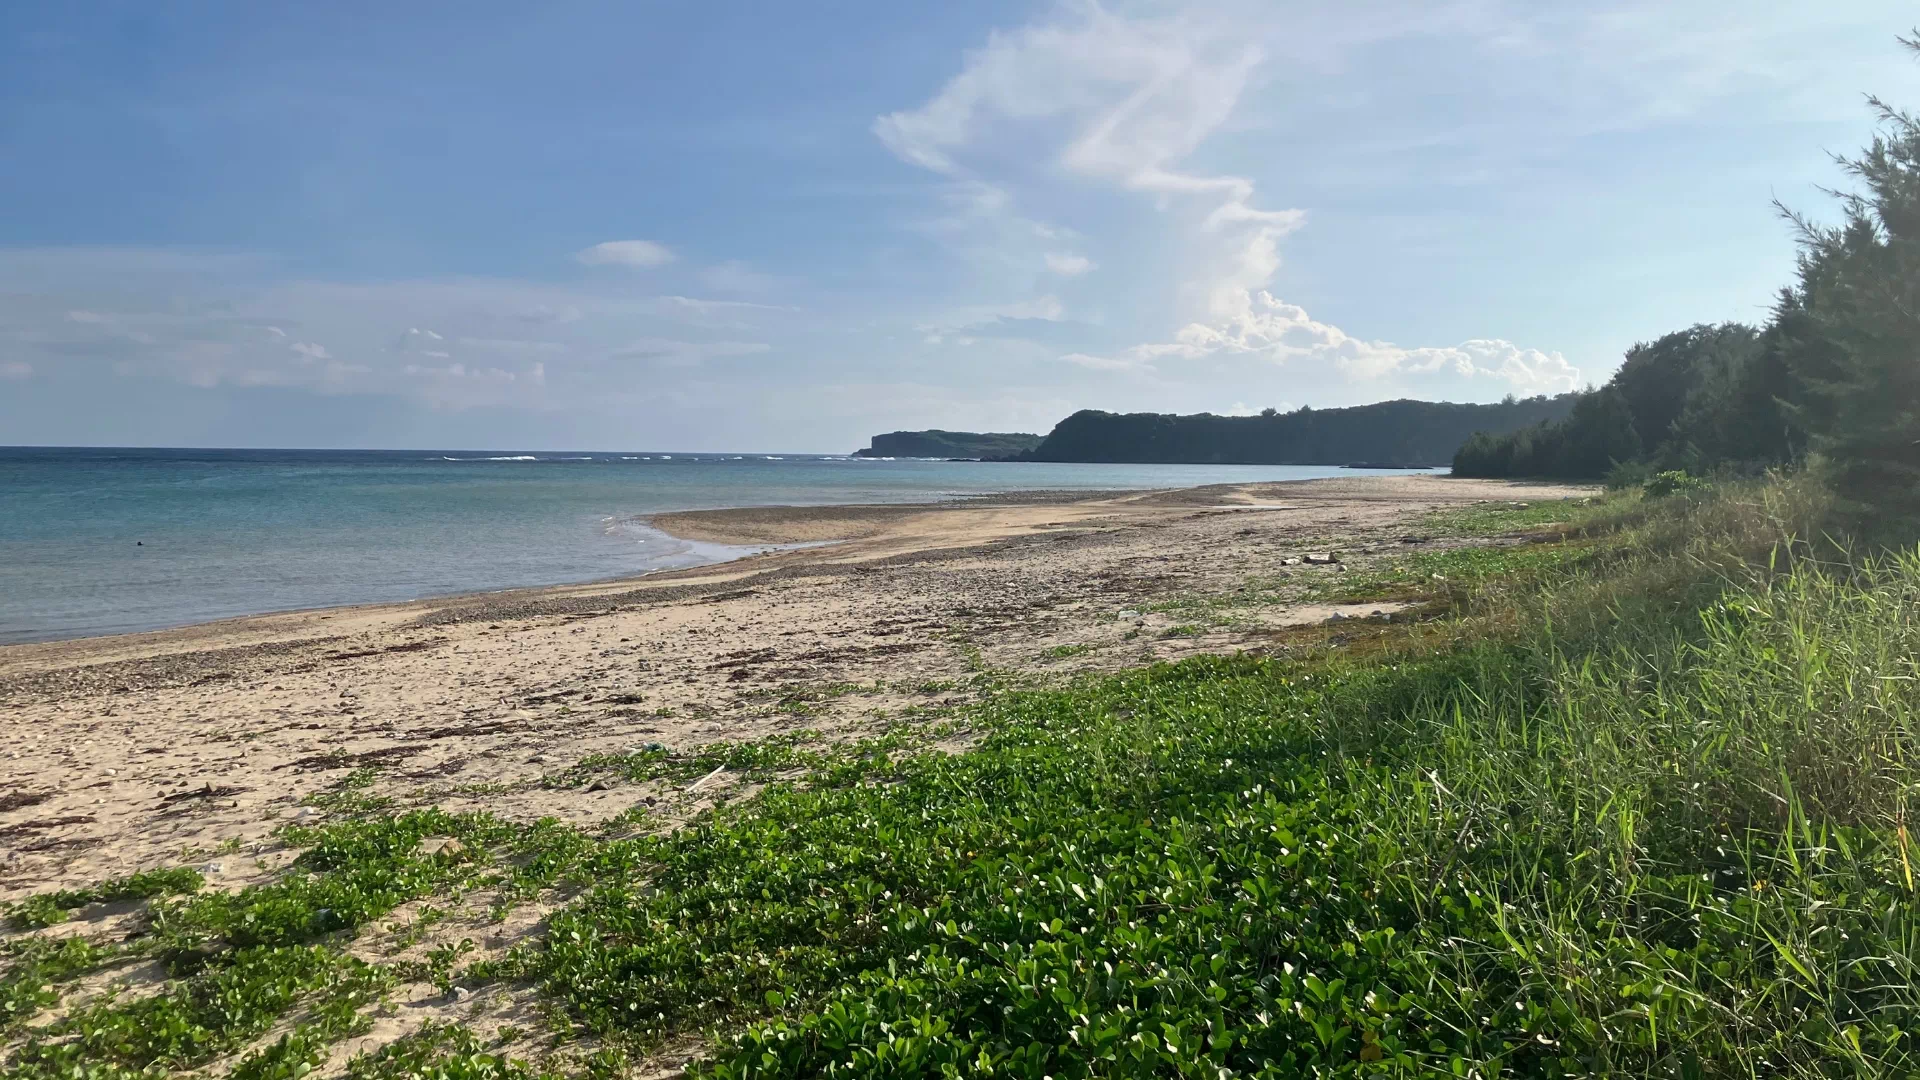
46, 909
1497, 518
1436, 573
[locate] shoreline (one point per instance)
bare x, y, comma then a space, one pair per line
139, 751
122, 556
689, 526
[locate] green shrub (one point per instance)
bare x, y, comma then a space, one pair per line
1672, 482
1629, 475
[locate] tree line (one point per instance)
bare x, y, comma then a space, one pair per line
1389, 432
1832, 379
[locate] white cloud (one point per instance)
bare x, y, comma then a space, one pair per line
16, 369
448, 343
1047, 308
455, 385
1126, 102
640, 253
696, 310
1272, 330
420, 342
1104, 363
1068, 265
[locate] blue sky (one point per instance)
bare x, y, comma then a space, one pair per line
786, 227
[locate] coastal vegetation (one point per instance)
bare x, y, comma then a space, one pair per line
1411, 433
1629, 798
1831, 379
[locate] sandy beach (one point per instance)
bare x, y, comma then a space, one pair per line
191, 746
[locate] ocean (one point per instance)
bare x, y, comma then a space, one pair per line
104, 541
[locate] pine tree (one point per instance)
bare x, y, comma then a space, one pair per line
1855, 342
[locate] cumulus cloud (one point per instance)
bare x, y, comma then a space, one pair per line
310, 351
1273, 330
1125, 102
639, 253
1068, 265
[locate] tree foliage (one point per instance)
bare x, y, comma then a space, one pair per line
1856, 313
1834, 375
1669, 396
1389, 432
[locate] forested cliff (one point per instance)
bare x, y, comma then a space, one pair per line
1392, 432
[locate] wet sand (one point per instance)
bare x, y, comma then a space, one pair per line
170, 748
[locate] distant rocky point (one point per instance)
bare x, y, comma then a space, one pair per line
949, 444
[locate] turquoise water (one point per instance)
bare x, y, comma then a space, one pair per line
96, 541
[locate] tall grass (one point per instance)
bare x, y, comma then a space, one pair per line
1694, 828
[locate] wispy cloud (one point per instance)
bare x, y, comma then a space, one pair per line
1068, 265
697, 306
688, 353
1104, 363
638, 253
962, 323
16, 369
450, 344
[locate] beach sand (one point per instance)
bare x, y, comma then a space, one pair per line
191, 746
